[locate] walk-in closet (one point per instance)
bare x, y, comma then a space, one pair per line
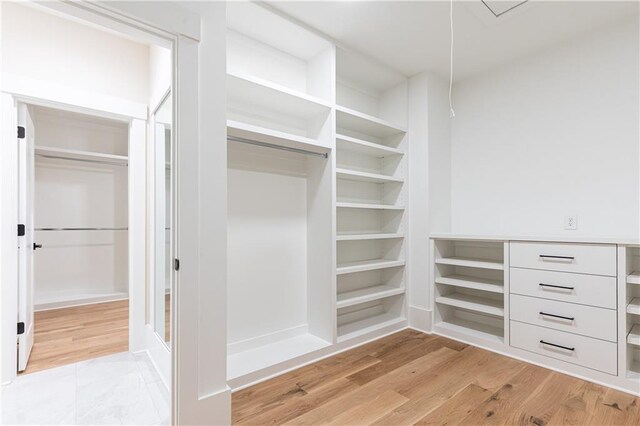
80, 209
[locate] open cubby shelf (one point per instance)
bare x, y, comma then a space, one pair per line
473, 303
477, 329
367, 265
368, 206
634, 306
470, 262
633, 338
367, 294
368, 236
634, 278
476, 283
366, 176
363, 147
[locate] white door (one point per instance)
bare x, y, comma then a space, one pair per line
26, 243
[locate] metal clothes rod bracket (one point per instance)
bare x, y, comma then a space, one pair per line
273, 146
60, 157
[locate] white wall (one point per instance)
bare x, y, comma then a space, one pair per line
70, 194
267, 243
549, 135
49, 48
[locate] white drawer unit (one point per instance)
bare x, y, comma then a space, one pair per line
579, 319
592, 290
585, 351
595, 259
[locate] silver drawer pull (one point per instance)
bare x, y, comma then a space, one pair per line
557, 346
549, 256
556, 286
557, 316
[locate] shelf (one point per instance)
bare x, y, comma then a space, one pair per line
493, 286
367, 325
253, 360
368, 294
476, 329
633, 338
372, 236
368, 206
75, 154
364, 147
365, 124
267, 96
634, 306
275, 137
470, 263
366, 177
473, 303
634, 278
367, 265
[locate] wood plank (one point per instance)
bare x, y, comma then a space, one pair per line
454, 410
516, 390
336, 407
68, 335
617, 408
371, 410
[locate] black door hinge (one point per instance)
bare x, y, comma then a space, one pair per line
176, 264
21, 132
21, 230
20, 328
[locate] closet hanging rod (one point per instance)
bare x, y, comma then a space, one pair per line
81, 229
87, 229
273, 146
85, 160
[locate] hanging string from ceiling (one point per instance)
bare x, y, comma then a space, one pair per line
452, 113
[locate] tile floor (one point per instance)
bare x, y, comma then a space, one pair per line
120, 389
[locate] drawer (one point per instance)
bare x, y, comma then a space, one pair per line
594, 290
579, 319
597, 259
584, 351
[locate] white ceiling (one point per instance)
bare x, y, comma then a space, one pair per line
413, 36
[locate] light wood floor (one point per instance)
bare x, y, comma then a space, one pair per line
68, 335
413, 378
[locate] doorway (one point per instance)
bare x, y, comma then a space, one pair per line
74, 256
85, 185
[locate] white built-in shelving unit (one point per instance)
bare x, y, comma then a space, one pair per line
632, 312
332, 273
370, 173
469, 279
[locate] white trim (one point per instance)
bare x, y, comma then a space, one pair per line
265, 339
44, 93
159, 354
8, 239
80, 301
137, 181
420, 319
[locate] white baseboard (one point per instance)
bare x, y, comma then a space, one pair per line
265, 339
85, 299
420, 319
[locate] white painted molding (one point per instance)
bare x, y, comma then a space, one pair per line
45, 93
420, 319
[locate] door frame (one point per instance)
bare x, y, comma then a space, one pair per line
196, 31
57, 97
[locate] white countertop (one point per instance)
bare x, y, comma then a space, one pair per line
552, 238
